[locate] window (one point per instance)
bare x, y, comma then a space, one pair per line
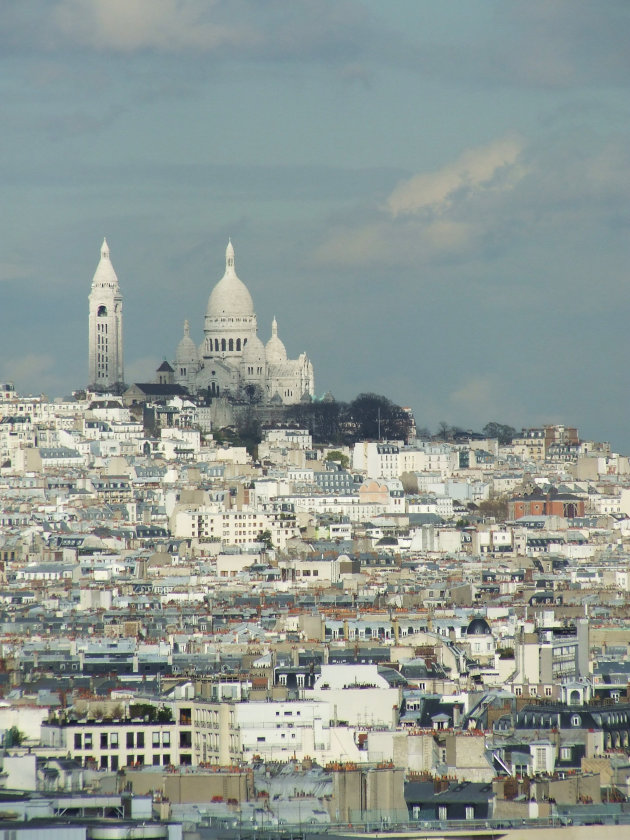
155, 739
77, 741
470, 812
129, 740
140, 739
113, 740
166, 759
114, 762
442, 812
103, 740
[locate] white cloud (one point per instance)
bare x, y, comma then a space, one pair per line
127, 25
484, 168
10, 271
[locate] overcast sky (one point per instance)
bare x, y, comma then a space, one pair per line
432, 197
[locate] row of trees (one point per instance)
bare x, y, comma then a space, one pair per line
367, 417
502, 432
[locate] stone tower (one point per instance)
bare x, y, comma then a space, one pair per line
105, 338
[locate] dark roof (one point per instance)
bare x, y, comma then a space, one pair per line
478, 627
160, 389
165, 367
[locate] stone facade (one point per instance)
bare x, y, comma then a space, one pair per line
232, 360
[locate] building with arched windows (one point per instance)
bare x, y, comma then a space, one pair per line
105, 328
232, 360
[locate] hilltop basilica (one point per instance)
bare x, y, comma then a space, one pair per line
231, 360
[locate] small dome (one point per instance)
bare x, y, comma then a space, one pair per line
186, 349
275, 349
254, 352
478, 627
230, 297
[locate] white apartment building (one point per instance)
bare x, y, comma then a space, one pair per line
233, 527
113, 744
377, 460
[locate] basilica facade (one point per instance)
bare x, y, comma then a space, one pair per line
231, 360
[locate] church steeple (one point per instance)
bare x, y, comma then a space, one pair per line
105, 327
274, 327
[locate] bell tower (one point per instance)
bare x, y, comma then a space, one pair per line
105, 328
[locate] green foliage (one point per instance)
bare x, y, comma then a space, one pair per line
13, 737
152, 713
265, 537
504, 434
375, 417
246, 433
336, 455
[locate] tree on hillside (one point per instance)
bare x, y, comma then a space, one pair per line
503, 433
375, 417
322, 419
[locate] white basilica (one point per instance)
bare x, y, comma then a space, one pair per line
232, 360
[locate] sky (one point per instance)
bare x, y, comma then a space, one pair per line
431, 197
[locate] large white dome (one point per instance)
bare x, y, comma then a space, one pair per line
230, 297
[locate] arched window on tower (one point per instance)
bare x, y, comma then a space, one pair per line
222, 344
231, 345
238, 344
101, 311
